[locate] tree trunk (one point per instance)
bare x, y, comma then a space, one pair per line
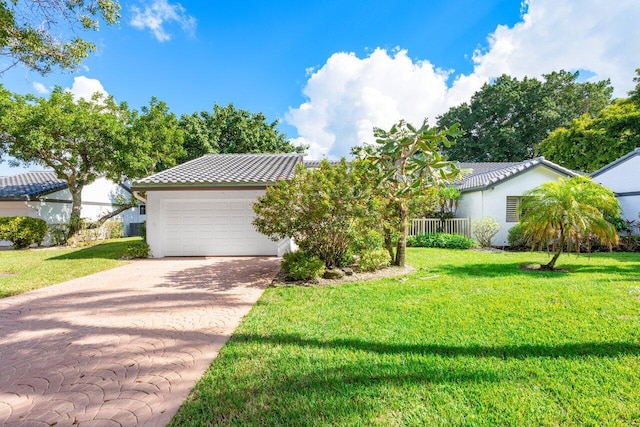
551, 264
388, 244
103, 219
401, 250
76, 209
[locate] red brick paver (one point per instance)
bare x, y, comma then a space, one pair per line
124, 346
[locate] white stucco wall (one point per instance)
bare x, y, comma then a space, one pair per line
624, 178
16, 209
493, 202
99, 196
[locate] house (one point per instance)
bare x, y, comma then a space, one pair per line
204, 207
623, 177
42, 195
495, 190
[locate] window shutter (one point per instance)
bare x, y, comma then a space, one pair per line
512, 208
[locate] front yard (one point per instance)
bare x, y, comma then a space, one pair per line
467, 339
29, 269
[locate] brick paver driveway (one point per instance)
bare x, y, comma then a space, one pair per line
124, 346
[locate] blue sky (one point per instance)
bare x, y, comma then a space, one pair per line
331, 70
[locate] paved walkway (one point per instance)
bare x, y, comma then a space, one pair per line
124, 346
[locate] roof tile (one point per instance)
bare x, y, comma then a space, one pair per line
220, 169
484, 175
30, 184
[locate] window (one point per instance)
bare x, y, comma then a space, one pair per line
143, 209
513, 202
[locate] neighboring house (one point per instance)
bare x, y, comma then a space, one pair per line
495, 190
204, 207
623, 177
41, 194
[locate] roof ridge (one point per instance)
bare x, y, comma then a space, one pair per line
250, 154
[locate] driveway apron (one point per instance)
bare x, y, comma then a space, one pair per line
124, 346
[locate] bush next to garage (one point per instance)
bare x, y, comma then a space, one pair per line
138, 249
324, 210
23, 231
301, 265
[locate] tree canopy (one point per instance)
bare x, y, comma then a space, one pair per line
592, 141
40, 33
568, 212
507, 119
230, 130
83, 139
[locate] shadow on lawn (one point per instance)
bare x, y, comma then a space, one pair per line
512, 269
109, 250
360, 389
492, 270
569, 350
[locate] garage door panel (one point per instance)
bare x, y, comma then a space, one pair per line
212, 227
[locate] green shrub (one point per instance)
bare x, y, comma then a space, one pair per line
371, 239
23, 231
441, 240
484, 229
113, 229
373, 259
630, 243
143, 230
137, 250
302, 266
517, 240
57, 234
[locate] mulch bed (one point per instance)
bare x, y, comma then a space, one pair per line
279, 280
538, 267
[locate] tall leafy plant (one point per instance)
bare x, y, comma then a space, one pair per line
408, 161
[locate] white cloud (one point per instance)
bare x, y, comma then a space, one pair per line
596, 35
40, 88
158, 14
84, 87
348, 96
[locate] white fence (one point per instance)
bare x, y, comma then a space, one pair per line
434, 225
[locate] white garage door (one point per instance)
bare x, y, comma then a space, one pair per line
212, 227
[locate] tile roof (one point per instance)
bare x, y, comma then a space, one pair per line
485, 175
225, 169
30, 184
629, 155
314, 164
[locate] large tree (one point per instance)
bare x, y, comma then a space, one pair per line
592, 141
589, 143
507, 119
230, 130
567, 212
408, 161
41, 34
634, 95
84, 139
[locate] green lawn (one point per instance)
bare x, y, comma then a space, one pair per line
469, 339
25, 270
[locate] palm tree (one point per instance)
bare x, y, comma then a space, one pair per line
566, 211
